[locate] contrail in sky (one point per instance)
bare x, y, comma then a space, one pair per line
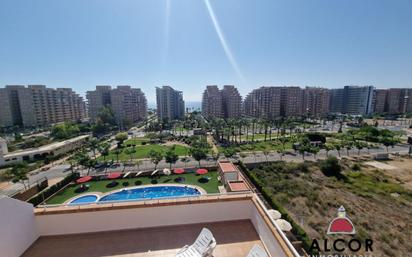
222, 39
167, 32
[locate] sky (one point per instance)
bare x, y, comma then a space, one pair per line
189, 44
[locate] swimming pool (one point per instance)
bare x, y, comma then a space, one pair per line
151, 192
84, 199
140, 193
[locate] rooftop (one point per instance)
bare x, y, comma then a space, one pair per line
234, 238
236, 186
227, 167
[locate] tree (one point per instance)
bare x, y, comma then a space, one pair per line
18, 173
360, 145
138, 163
314, 151
304, 147
121, 137
117, 152
171, 157
283, 140
130, 152
104, 150
65, 131
155, 157
93, 144
281, 152
338, 147
198, 153
328, 147
106, 116
90, 164
229, 152
266, 153
331, 167
388, 141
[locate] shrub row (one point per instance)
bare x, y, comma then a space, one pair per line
40, 197
297, 230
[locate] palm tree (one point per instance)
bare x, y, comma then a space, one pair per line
94, 144
171, 157
138, 163
155, 157
104, 150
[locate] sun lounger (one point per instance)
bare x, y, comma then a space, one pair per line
257, 251
127, 174
203, 246
154, 172
137, 174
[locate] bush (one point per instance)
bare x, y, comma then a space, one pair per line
331, 167
356, 167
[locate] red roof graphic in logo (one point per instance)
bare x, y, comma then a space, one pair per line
341, 224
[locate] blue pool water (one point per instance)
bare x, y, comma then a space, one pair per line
150, 193
84, 199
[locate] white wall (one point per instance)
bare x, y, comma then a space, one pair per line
118, 219
17, 227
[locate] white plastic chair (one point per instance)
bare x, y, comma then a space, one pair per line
203, 246
257, 251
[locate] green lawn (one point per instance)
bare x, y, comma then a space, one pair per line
142, 151
100, 186
261, 146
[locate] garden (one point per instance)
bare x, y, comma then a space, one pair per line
208, 182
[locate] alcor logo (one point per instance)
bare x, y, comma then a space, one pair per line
341, 224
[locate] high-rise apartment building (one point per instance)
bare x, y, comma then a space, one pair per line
398, 100
380, 100
212, 105
356, 100
291, 101
97, 99
129, 105
336, 100
264, 102
316, 101
170, 104
225, 103
37, 106
232, 102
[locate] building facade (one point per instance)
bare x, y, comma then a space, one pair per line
129, 105
225, 103
354, 100
380, 100
263, 103
232, 102
212, 105
291, 101
38, 106
316, 102
170, 104
97, 99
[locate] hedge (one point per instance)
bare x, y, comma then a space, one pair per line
40, 197
297, 230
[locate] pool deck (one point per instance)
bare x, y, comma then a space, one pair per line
100, 194
234, 239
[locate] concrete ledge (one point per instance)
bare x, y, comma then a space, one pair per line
141, 204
